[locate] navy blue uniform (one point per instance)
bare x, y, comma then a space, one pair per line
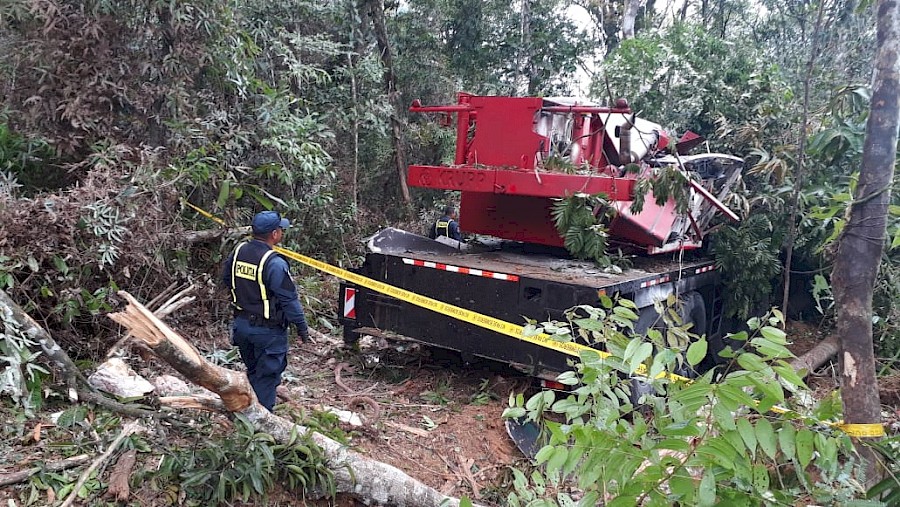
445, 226
265, 301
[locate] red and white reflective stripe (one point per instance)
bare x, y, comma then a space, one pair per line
704, 269
457, 269
655, 281
349, 303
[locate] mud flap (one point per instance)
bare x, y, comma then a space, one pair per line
526, 435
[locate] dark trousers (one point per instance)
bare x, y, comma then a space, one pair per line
264, 352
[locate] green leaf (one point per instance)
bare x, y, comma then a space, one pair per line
765, 435
544, 454
589, 324
606, 301
774, 335
771, 350
626, 313
748, 434
224, 192
733, 397
627, 303
827, 449
723, 416
751, 362
760, 477
683, 486
662, 358
787, 372
513, 413
706, 495
805, 446
741, 336
787, 441
60, 265
680, 429
557, 460
697, 351
642, 353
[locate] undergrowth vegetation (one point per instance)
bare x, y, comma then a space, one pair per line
193, 462
747, 432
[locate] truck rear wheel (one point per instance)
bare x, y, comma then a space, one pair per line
692, 311
351, 337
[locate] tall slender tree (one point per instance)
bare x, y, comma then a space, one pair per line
376, 11
862, 243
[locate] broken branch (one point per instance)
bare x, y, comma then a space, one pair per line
354, 473
128, 429
56, 466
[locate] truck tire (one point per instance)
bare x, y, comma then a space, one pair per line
692, 311
351, 337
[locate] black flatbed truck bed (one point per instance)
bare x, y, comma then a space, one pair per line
511, 283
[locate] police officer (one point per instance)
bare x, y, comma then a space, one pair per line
265, 303
446, 225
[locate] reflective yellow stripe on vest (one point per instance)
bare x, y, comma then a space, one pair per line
262, 286
234, 262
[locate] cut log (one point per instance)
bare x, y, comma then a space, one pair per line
355, 474
818, 355
128, 429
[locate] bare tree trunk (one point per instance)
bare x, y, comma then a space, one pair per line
355, 474
631, 12
801, 160
523, 83
354, 175
376, 11
862, 241
684, 9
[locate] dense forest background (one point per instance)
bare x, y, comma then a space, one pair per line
114, 113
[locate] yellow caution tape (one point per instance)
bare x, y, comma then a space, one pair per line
873, 430
475, 318
507, 328
459, 313
205, 213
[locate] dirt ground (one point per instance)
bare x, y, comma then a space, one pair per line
435, 418
418, 409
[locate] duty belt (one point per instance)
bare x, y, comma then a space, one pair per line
258, 320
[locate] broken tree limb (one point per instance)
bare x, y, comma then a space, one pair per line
76, 383
173, 303
818, 355
192, 237
128, 429
177, 301
118, 488
354, 473
193, 402
56, 466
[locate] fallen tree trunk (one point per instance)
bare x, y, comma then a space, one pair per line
354, 474
818, 355
76, 383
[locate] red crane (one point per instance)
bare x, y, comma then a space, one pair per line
515, 155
